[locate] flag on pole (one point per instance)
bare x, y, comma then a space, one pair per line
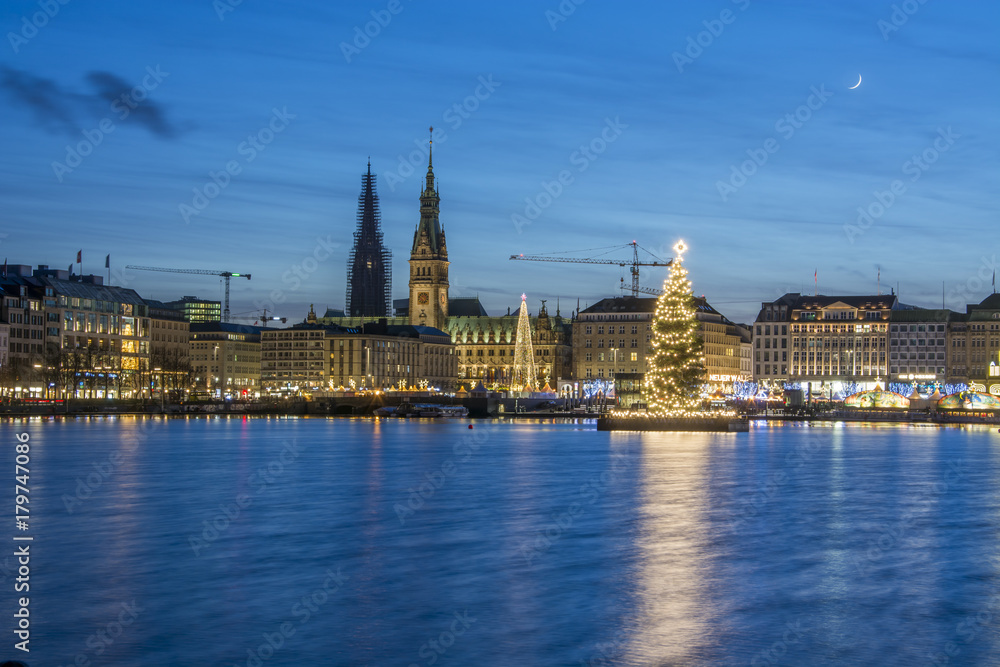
107, 262
79, 256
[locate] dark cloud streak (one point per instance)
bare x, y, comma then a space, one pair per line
147, 113
56, 109
51, 106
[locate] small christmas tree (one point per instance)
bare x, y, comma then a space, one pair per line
676, 368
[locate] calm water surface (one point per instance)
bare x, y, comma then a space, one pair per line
351, 542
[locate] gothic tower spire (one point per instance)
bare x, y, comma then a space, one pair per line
429, 257
369, 269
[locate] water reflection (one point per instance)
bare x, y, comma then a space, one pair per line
877, 545
675, 609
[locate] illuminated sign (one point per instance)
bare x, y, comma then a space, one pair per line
914, 376
727, 378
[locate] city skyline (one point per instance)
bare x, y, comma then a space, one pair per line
670, 105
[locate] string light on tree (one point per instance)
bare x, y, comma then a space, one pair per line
524, 357
677, 366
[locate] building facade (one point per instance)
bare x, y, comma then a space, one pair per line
194, 309
225, 359
312, 357
918, 345
169, 348
485, 347
613, 337
823, 341
74, 336
974, 346
22, 310
4, 333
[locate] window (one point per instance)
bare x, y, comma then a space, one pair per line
635, 356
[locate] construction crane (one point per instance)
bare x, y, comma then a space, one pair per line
201, 272
261, 316
634, 263
644, 290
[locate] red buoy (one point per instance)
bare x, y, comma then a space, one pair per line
470, 425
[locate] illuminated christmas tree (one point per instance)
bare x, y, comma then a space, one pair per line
524, 356
676, 368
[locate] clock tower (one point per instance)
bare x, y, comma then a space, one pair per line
429, 258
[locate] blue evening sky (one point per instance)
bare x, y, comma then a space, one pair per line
674, 127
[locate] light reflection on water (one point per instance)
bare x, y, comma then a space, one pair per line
832, 544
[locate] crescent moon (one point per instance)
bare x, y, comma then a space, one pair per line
857, 84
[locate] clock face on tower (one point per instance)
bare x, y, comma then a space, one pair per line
422, 298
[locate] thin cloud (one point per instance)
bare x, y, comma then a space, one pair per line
51, 106
147, 113
57, 109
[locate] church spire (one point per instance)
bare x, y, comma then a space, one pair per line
428, 305
369, 268
428, 232
430, 161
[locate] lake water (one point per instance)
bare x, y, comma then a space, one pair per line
353, 542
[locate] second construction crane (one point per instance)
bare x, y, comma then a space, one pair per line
634, 263
201, 272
